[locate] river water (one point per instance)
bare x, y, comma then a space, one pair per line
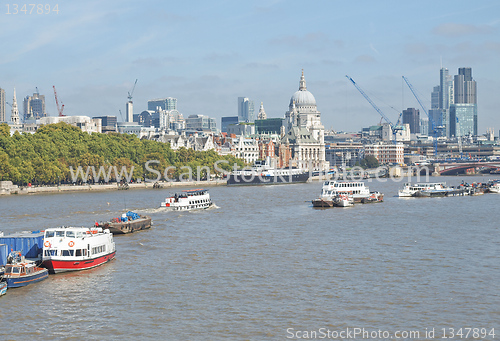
266, 265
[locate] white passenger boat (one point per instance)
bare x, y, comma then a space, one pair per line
494, 187
353, 189
76, 248
410, 190
189, 200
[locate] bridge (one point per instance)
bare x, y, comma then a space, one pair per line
473, 167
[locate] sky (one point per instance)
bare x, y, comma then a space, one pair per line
208, 53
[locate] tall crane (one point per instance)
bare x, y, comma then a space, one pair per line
59, 109
132, 92
394, 128
431, 119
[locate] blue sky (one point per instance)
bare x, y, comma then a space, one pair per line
208, 53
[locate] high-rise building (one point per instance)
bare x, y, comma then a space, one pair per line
463, 110
2, 105
245, 110
445, 99
411, 116
226, 121
34, 106
168, 103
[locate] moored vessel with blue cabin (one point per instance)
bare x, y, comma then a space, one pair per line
20, 272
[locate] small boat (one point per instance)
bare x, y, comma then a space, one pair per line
128, 223
3, 288
76, 248
343, 200
410, 190
20, 272
494, 187
189, 200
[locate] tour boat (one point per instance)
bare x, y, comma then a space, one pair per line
263, 173
3, 288
20, 272
355, 189
76, 248
410, 190
189, 200
129, 222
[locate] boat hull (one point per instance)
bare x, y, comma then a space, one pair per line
21, 281
322, 203
128, 226
257, 179
3, 288
57, 266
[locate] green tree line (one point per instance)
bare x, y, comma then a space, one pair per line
47, 156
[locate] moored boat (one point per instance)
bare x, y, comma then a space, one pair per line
20, 272
128, 223
410, 190
188, 200
343, 200
3, 288
494, 186
76, 248
263, 173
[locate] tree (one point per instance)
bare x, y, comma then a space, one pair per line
369, 162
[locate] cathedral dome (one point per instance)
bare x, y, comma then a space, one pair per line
302, 97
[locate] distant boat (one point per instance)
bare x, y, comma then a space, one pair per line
188, 200
262, 173
494, 187
20, 272
128, 223
352, 189
410, 190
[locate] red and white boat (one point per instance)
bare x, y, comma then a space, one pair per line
76, 248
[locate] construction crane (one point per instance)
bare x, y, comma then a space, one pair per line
394, 128
121, 115
132, 92
59, 109
431, 119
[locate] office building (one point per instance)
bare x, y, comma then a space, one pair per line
245, 110
168, 104
270, 126
411, 116
200, 123
463, 110
226, 121
34, 106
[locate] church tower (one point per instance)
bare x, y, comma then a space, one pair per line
14, 115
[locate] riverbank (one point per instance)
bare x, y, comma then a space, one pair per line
7, 188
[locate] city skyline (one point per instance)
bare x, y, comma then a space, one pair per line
208, 54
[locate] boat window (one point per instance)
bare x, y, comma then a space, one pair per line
70, 234
49, 234
8, 269
59, 233
67, 252
78, 252
15, 270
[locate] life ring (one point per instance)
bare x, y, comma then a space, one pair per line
46, 244
71, 243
